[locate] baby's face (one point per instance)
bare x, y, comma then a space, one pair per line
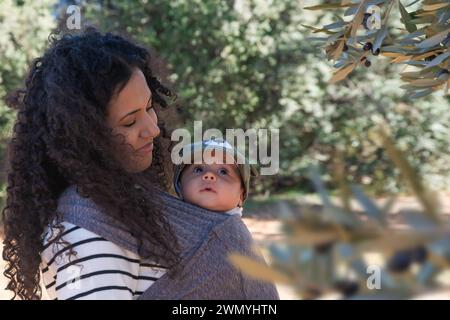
216, 187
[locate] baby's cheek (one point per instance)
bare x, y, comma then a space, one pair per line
188, 187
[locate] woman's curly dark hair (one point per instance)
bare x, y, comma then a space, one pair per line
60, 138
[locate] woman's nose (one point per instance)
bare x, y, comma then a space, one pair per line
150, 131
209, 176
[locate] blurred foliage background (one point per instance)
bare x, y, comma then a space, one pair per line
250, 64
24, 28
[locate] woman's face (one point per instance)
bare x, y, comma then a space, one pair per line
130, 114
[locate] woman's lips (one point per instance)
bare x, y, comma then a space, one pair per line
147, 148
208, 189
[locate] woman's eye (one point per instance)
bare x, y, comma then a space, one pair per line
130, 124
197, 169
223, 171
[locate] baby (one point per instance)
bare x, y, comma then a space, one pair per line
220, 182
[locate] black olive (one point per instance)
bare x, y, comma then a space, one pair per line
346, 287
311, 292
419, 254
324, 247
400, 261
367, 63
367, 46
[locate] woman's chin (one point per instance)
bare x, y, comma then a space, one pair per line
140, 165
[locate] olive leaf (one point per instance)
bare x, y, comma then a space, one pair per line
411, 27
424, 48
434, 40
257, 270
342, 73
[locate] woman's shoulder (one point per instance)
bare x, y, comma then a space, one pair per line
67, 246
77, 264
64, 236
84, 212
71, 197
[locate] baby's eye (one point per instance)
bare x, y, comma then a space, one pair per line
223, 171
197, 169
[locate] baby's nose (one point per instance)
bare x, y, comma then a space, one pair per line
209, 176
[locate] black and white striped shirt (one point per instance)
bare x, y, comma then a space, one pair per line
99, 270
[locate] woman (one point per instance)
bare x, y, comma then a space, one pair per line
87, 147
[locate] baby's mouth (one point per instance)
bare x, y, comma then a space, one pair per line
208, 189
